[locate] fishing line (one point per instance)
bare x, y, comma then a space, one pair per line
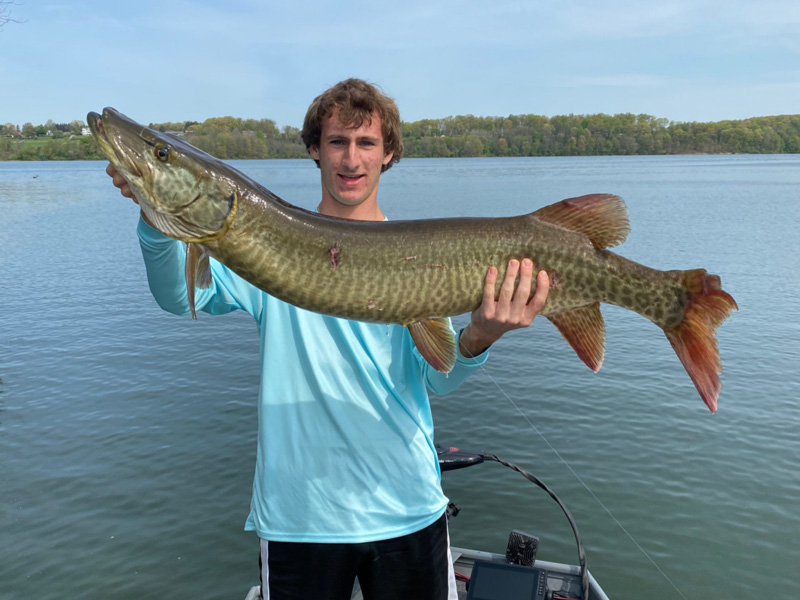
583, 483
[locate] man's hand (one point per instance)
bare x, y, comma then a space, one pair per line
120, 182
511, 310
124, 188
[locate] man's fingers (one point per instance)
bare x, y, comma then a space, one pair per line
510, 280
511, 310
540, 295
504, 302
524, 286
488, 286
119, 181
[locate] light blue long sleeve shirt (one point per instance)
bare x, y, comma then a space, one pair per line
345, 432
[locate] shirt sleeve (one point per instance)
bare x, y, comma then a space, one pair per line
165, 261
444, 383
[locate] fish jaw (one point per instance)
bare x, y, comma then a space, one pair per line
128, 164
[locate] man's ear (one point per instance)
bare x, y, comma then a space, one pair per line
313, 151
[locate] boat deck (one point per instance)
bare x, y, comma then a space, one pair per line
560, 577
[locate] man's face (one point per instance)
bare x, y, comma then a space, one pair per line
350, 160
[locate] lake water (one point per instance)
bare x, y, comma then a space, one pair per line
127, 435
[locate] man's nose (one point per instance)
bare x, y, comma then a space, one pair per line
351, 155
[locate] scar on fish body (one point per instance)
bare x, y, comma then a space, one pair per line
333, 255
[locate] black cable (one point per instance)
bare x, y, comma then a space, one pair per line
541, 484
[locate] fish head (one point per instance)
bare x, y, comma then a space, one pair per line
184, 192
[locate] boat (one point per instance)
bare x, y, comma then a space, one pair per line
518, 574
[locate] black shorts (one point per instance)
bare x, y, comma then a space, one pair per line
411, 567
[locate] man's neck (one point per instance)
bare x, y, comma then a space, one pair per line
366, 211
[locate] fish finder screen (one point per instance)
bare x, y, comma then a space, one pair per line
505, 582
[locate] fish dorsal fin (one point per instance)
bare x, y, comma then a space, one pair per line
602, 218
435, 341
585, 331
197, 273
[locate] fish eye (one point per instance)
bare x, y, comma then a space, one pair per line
162, 153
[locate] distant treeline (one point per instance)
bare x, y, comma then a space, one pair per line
598, 135
516, 135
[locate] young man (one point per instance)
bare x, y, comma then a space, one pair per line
347, 483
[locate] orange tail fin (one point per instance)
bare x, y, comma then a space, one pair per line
694, 340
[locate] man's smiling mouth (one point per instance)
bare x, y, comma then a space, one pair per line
350, 178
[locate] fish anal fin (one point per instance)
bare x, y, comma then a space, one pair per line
584, 330
197, 273
436, 342
602, 218
694, 339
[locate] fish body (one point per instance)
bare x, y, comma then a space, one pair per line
414, 273
406, 271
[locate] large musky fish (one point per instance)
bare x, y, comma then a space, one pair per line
415, 273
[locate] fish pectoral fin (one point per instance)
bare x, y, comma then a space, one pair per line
436, 342
203, 271
585, 331
602, 218
197, 273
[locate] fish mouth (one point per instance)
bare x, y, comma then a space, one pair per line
98, 130
96, 125
106, 141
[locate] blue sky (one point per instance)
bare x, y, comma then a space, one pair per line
684, 60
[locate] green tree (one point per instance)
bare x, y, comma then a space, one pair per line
473, 146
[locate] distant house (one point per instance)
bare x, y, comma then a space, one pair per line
86, 131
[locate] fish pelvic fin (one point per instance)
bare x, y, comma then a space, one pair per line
436, 342
197, 272
602, 218
694, 339
585, 331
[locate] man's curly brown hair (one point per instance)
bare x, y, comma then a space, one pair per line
356, 100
